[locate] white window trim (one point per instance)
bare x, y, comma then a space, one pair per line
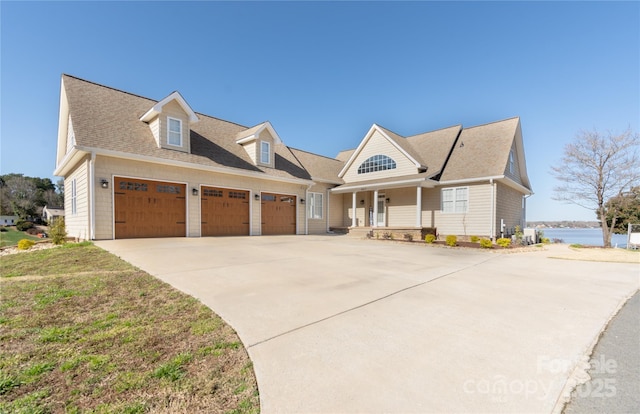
74, 198
454, 200
169, 119
313, 211
268, 144
512, 162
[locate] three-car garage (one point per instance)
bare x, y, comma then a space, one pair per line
147, 208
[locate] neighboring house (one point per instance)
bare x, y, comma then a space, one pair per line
135, 167
8, 220
51, 213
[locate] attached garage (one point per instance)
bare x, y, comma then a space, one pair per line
278, 214
145, 208
224, 212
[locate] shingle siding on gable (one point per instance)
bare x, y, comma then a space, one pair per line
515, 175
378, 144
174, 110
155, 130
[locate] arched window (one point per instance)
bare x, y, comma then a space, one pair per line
376, 163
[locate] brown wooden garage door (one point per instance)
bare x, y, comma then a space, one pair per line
278, 214
224, 212
149, 208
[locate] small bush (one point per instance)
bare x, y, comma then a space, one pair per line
486, 243
23, 225
34, 231
430, 238
475, 239
556, 240
25, 244
545, 240
503, 242
451, 240
58, 232
3, 229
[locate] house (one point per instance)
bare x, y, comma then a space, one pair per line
136, 167
8, 220
51, 213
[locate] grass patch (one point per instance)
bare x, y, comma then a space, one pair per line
87, 332
11, 237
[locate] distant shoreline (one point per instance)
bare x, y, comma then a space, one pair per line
564, 224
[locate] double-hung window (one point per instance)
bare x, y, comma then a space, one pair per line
265, 152
455, 200
315, 205
174, 132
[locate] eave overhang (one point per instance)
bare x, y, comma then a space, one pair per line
175, 96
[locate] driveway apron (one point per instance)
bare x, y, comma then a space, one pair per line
335, 324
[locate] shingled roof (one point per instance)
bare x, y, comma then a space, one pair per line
108, 119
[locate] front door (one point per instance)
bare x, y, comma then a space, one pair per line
381, 219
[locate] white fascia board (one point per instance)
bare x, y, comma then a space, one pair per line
325, 181
421, 182
500, 178
274, 134
244, 140
157, 108
63, 122
66, 163
395, 144
191, 166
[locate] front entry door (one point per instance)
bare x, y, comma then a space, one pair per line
381, 219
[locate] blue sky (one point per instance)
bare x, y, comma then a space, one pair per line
323, 72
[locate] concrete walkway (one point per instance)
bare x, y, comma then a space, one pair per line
334, 324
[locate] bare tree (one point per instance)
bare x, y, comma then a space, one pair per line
595, 168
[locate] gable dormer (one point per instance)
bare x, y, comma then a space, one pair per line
170, 122
259, 142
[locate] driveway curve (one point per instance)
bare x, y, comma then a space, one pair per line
335, 324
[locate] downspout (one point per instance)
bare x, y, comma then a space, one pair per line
306, 210
92, 196
328, 227
493, 209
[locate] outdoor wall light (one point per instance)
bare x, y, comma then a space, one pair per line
302, 201
362, 202
257, 197
194, 191
104, 183
388, 200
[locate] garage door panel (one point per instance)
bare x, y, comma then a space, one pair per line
145, 208
278, 214
224, 212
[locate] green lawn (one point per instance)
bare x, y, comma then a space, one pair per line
11, 237
85, 332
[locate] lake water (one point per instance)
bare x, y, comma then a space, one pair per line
591, 237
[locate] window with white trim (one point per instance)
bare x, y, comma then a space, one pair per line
74, 198
265, 152
174, 132
376, 163
455, 200
315, 205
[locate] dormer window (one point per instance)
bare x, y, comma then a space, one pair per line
265, 152
174, 132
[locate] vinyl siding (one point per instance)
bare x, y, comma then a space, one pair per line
108, 167
71, 139
155, 130
362, 211
336, 207
250, 147
265, 136
318, 226
477, 220
508, 207
378, 144
78, 224
401, 208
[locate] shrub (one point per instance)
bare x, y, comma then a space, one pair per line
430, 238
3, 229
25, 244
475, 239
451, 240
486, 243
545, 240
503, 242
58, 232
23, 225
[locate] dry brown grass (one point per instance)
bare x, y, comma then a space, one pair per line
112, 340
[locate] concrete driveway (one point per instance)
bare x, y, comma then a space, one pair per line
335, 324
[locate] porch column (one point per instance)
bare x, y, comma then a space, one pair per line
353, 209
375, 209
418, 206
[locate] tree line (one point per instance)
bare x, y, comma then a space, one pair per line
24, 196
